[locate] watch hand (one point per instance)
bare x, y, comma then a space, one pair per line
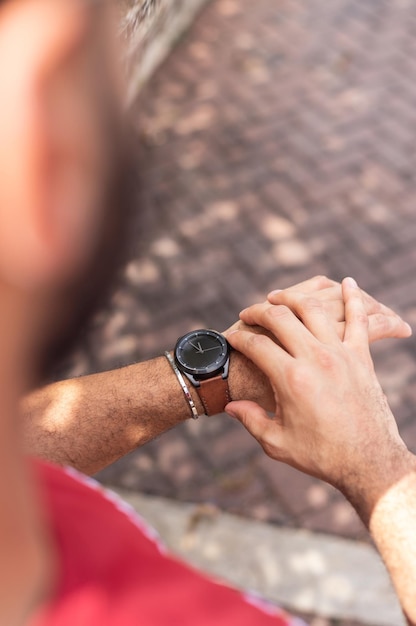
198, 349
215, 348
202, 351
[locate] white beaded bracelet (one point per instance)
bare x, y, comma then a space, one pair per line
183, 385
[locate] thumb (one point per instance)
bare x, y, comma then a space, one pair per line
251, 415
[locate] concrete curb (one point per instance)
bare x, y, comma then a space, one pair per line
300, 570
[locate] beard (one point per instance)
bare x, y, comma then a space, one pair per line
76, 303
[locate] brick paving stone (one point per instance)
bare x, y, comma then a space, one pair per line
338, 518
234, 446
299, 492
408, 432
277, 142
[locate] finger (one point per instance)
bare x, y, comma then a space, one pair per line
270, 358
374, 306
252, 417
309, 286
356, 319
384, 323
313, 315
308, 309
286, 327
382, 326
331, 299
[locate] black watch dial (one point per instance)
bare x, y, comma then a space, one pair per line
202, 353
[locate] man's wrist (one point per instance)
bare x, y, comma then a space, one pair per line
366, 487
247, 382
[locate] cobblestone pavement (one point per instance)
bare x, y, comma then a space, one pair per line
279, 142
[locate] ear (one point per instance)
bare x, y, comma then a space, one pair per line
41, 200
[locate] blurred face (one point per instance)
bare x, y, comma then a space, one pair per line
95, 135
65, 166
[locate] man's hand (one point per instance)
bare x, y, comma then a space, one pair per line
246, 378
384, 323
332, 421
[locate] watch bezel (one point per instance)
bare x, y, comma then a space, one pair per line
209, 371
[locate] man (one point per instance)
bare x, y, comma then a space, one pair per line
68, 554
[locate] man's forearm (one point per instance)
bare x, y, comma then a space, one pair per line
92, 421
392, 524
384, 496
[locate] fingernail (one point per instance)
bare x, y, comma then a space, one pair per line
230, 412
351, 282
242, 312
409, 328
274, 293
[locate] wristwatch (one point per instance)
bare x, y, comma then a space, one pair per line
203, 356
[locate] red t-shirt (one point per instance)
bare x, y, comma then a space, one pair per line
114, 572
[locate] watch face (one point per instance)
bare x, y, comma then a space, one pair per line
201, 353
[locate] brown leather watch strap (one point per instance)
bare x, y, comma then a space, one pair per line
214, 394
